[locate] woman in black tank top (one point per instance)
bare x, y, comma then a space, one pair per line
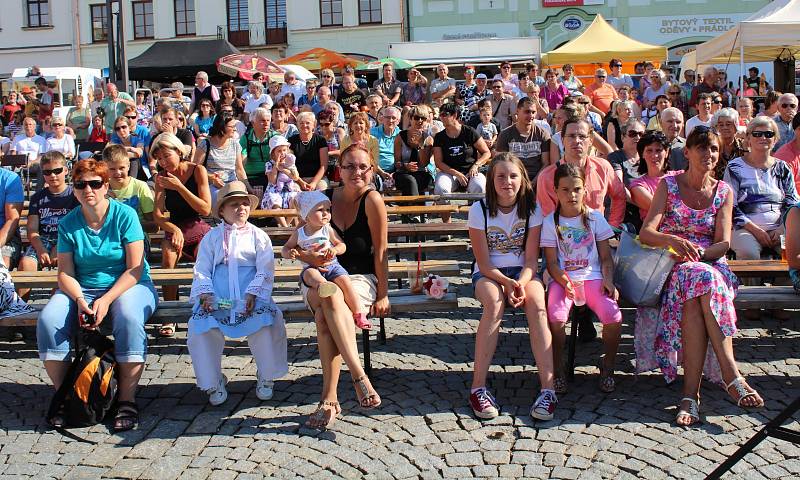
359, 217
181, 188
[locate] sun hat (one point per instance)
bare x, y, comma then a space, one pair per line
26, 90
307, 201
277, 141
481, 76
232, 190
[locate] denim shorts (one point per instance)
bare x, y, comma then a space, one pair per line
46, 243
331, 273
510, 272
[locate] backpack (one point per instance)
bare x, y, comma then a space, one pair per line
89, 391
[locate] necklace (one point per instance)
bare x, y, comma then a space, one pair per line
305, 142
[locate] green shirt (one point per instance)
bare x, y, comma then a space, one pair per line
114, 109
99, 257
136, 195
255, 152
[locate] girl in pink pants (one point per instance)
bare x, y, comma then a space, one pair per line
575, 242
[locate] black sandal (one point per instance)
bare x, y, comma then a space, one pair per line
127, 417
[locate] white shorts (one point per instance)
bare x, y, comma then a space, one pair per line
364, 286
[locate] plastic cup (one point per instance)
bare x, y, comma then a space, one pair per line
784, 259
578, 293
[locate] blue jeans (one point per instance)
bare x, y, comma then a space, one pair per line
128, 314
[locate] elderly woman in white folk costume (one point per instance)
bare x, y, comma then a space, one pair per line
232, 291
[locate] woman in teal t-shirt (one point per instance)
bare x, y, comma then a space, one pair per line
101, 272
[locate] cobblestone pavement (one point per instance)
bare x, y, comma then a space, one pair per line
424, 429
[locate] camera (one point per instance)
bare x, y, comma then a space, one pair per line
100, 112
87, 319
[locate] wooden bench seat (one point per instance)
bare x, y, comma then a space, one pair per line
759, 268
293, 308
283, 273
390, 210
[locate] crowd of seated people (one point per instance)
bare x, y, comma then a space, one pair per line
564, 164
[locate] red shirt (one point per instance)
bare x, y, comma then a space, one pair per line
600, 181
790, 154
98, 135
8, 111
601, 96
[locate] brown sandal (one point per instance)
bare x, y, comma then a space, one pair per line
365, 392
320, 420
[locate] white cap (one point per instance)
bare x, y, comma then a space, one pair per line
277, 141
307, 201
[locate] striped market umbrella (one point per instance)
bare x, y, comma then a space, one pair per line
399, 63
318, 58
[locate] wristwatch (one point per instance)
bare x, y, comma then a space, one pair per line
702, 252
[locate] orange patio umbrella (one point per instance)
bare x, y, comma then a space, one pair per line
319, 58
245, 65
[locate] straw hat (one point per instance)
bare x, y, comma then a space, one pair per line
232, 190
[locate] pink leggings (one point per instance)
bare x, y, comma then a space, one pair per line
558, 305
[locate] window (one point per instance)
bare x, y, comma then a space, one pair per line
38, 13
275, 16
99, 23
238, 23
142, 19
369, 11
184, 17
330, 12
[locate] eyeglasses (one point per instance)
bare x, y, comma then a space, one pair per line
419, 118
788, 105
506, 67
360, 169
54, 171
634, 133
227, 112
577, 136
82, 184
324, 124
765, 134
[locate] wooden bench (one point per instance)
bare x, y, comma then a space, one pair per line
759, 268
283, 273
390, 210
411, 230
293, 308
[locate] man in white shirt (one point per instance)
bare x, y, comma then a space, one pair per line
28, 144
442, 87
616, 78
292, 85
703, 116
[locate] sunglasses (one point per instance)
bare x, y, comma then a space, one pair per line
121, 127
57, 124
600, 76
82, 184
54, 171
766, 134
616, 65
327, 76
584, 103
717, 102
419, 118
133, 117
674, 93
497, 87
634, 133
325, 124
788, 105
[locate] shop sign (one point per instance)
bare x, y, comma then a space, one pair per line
663, 30
571, 3
572, 23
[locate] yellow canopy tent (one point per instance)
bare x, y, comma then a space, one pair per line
599, 43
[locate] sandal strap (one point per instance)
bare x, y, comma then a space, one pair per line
738, 384
694, 408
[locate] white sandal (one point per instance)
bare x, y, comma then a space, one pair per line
693, 412
740, 385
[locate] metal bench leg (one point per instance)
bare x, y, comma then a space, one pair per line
383, 332
365, 343
573, 339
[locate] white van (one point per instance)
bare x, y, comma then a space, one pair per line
66, 82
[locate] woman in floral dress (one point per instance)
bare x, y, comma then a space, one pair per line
691, 214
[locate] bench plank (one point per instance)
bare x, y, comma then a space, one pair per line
283, 273
292, 307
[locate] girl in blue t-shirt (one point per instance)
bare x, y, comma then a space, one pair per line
204, 118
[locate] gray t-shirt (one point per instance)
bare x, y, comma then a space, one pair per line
221, 160
528, 148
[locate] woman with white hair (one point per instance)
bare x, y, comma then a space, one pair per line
763, 191
311, 152
257, 97
60, 141
181, 188
621, 112
658, 86
726, 123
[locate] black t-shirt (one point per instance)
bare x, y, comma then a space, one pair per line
458, 153
307, 161
347, 100
184, 135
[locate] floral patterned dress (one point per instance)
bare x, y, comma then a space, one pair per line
657, 337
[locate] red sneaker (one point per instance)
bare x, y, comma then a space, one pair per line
362, 321
483, 404
545, 405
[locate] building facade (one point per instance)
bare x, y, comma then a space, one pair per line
676, 24
37, 32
